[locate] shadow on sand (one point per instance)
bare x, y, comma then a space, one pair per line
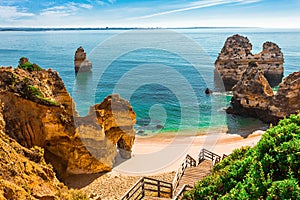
81, 180
78, 181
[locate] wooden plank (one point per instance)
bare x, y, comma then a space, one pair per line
194, 174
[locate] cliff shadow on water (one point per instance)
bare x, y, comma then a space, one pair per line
244, 126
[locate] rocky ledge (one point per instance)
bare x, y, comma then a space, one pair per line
254, 97
38, 111
235, 56
24, 174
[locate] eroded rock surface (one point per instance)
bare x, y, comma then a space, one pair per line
81, 63
235, 56
254, 97
38, 111
24, 173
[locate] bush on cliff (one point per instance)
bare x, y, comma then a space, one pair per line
270, 170
26, 65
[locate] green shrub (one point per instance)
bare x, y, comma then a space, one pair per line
270, 170
35, 92
26, 65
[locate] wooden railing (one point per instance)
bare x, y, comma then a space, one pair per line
156, 188
181, 192
149, 187
224, 156
136, 191
189, 161
206, 154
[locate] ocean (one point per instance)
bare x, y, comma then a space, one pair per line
163, 73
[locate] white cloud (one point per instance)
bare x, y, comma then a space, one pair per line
66, 9
86, 6
99, 2
112, 1
197, 5
13, 12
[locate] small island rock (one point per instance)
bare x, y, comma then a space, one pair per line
208, 91
80, 61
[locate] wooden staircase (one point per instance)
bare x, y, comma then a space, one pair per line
193, 174
190, 172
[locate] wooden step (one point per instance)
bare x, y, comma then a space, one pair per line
193, 174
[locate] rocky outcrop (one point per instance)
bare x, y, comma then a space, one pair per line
38, 111
24, 173
117, 118
235, 56
80, 61
254, 97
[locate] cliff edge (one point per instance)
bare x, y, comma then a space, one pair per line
38, 111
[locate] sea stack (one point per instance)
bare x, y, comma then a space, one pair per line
235, 56
254, 97
80, 61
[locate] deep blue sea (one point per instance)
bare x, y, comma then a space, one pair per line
163, 73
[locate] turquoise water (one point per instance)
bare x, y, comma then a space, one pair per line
164, 87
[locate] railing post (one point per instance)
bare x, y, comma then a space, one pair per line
171, 191
158, 188
143, 187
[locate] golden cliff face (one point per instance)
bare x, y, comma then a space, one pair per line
24, 173
235, 56
38, 111
253, 96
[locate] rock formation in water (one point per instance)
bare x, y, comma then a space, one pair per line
80, 61
254, 97
38, 111
208, 91
24, 173
235, 56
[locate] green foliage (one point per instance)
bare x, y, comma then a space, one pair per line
28, 65
33, 91
270, 170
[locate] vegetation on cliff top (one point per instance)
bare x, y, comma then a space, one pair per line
270, 170
25, 64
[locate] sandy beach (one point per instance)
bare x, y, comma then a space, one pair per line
165, 153
158, 156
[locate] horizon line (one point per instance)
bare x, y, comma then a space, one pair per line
124, 28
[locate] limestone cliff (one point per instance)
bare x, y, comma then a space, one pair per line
253, 96
81, 63
235, 56
38, 111
24, 173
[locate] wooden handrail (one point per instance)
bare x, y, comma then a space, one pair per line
189, 161
206, 154
181, 192
132, 191
166, 189
224, 156
145, 184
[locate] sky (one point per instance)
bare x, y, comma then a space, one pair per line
150, 13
